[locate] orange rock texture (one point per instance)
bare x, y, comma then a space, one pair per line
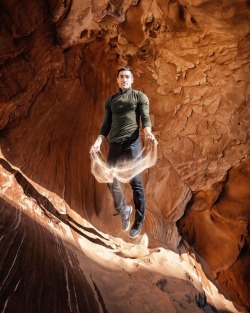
58, 63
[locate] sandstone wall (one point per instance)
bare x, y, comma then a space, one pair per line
191, 57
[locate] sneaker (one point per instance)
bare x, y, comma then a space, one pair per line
125, 216
135, 229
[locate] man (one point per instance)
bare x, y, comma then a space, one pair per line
123, 112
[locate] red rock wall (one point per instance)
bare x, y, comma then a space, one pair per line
41, 255
58, 65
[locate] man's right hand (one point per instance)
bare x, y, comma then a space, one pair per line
97, 145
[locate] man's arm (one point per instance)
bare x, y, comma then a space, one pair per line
107, 120
105, 129
146, 123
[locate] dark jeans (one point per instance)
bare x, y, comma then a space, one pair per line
118, 152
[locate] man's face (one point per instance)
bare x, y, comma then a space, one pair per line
125, 80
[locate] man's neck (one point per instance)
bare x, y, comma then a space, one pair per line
124, 90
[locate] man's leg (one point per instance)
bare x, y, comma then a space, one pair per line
119, 204
115, 153
139, 201
138, 197
132, 150
117, 194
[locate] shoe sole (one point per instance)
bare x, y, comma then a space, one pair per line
131, 209
135, 236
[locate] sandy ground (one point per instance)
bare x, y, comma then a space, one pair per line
130, 277
126, 276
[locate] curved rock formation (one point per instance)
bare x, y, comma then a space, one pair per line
58, 65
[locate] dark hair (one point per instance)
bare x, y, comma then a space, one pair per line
124, 68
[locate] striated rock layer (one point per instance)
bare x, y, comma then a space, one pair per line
58, 65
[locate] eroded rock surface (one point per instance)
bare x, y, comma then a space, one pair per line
58, 65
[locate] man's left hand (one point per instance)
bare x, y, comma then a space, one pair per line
148, 135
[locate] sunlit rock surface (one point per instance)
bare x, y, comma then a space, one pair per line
58, 65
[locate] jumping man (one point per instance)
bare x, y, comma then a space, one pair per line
123, 113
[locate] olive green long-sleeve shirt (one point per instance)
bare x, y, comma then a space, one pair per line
123, 113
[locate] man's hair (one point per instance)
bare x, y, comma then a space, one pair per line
124, 68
